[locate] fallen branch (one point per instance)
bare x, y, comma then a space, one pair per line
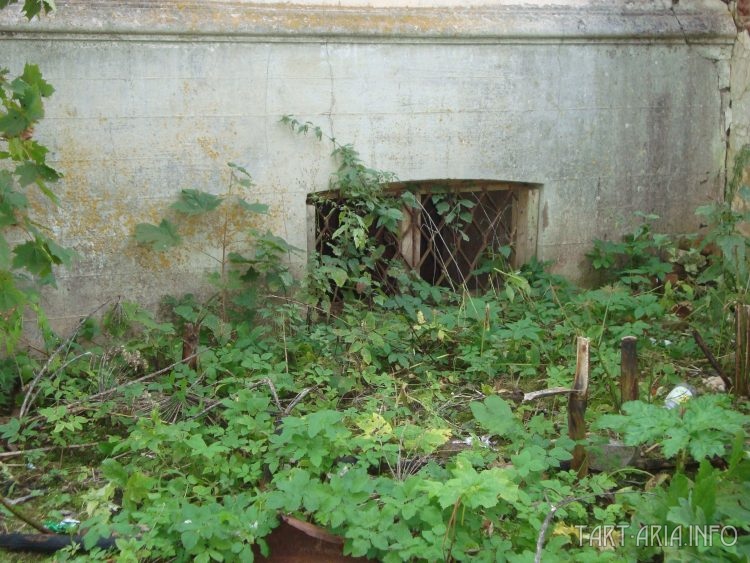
711, 359
30, 396
21, 516
46, 449
134, 381
19, 500
268, 382
206, 410
301, 395
547, 521
533, 395
566, 501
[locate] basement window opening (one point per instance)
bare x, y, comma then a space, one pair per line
451, 237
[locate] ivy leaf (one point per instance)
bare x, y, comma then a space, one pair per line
195, 202
160, 237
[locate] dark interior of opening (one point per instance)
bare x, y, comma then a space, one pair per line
458, 226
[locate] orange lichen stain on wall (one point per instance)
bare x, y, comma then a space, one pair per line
296, 18
207, 145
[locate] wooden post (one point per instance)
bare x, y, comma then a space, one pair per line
577, 406
628, 370
742, 354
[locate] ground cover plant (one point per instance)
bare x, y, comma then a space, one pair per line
385, 410
392, 419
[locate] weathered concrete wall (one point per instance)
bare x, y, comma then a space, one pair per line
614, 106
739, 130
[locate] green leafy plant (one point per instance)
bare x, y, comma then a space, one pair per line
354, 260
704, 514
703, 428
31, 8
641, 259
730, 265
386, 421
27, 252
238, 274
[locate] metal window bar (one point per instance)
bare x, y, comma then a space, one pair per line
444, 248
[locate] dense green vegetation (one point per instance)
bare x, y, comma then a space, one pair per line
391, 418
375, 405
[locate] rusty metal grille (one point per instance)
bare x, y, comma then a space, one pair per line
456, 225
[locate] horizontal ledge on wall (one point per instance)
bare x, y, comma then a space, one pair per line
699, 21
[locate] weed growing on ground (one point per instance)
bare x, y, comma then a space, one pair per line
395, 421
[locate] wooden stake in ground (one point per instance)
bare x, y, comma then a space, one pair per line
628, 370
577, 406
742, 355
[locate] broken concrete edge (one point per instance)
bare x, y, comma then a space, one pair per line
618, 20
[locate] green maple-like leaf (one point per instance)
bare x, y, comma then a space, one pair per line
30, 99
33, 77
5, 260
10, 296
14, 122
38, 256
242, 176
159, 238
195, 202
32, 8
29, 173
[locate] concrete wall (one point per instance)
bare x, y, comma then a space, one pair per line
739, 126
614, 106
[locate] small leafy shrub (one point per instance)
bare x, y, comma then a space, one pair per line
697, 517
239, 275
641, 259
27, 252
703, 428
354, 262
